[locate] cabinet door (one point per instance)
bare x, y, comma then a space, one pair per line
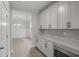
44, 46
63, 15
39, 43
42, 20
47, 48
74, 14
53, 16
50, 49
47, 18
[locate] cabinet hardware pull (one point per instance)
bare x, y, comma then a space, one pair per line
7, 16
40, 26
49, 26
45, 45
37, 40
68, 24
6, 36
1, 48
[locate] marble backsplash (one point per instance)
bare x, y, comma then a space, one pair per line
69, 33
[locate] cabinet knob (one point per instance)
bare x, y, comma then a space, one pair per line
37, 40
40, 26
49, 26
7, 16
6, 36
45, 45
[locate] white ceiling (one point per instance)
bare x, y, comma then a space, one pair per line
31, 6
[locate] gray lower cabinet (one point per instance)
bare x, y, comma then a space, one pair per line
45, 46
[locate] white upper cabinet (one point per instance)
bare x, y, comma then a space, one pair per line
42, 19
47, 18
53, 16
74, 14
63, 15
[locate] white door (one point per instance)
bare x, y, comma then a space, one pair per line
74, 14
53, 16
63, 13
4, 41
0, 26
8, 27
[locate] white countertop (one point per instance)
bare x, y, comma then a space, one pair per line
71, 45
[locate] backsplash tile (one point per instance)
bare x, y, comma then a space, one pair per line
68, 33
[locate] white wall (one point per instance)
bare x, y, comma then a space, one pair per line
34, 27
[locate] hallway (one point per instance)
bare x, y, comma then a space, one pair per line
21, 47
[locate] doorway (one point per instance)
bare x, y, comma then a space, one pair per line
21, 42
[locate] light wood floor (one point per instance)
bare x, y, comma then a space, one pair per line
36, 53
22, 47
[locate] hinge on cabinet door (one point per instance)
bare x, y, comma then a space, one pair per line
49, 26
